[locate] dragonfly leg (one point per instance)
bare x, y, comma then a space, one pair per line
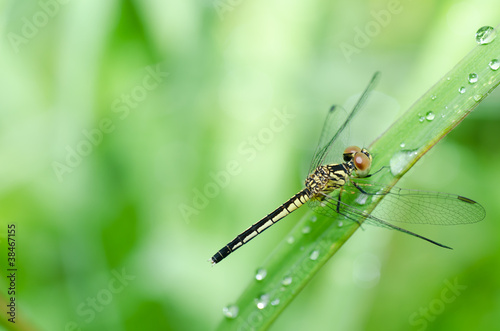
365, 192
338, 201
337, 209
376, 172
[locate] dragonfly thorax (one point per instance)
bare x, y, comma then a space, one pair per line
325, 179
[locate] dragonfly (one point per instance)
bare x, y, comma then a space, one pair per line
330, 186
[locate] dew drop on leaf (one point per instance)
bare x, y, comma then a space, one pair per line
485, 35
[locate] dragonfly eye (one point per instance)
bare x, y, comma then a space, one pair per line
362, 162
365, 151
349, 153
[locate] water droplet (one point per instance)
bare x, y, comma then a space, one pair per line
448, 78
402, 145
485, 35
341, 224
494, 64
361, 199
430, 116
472, 78
290, 240
287, 280
262, 301
306, 229
260, 274
478, 97
275, 302
433, 97
461, 90
421, 119
230, 311
400, 161
375, 197
314, 255
314, 218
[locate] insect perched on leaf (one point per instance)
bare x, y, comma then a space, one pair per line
330, 184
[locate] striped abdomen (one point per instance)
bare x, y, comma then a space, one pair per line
293, 203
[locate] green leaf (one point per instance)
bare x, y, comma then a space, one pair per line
315, 238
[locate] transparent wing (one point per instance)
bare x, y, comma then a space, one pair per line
335, 129
400, 205
354, 214
424, 207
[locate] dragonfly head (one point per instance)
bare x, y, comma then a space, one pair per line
359, 159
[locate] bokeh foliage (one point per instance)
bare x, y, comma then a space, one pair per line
163, 100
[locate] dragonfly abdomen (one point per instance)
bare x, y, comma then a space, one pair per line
289, 206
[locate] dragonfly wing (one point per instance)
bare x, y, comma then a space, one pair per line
332, 131
422, 207
357, 215
335, 128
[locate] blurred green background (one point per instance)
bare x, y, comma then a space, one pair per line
115, 115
